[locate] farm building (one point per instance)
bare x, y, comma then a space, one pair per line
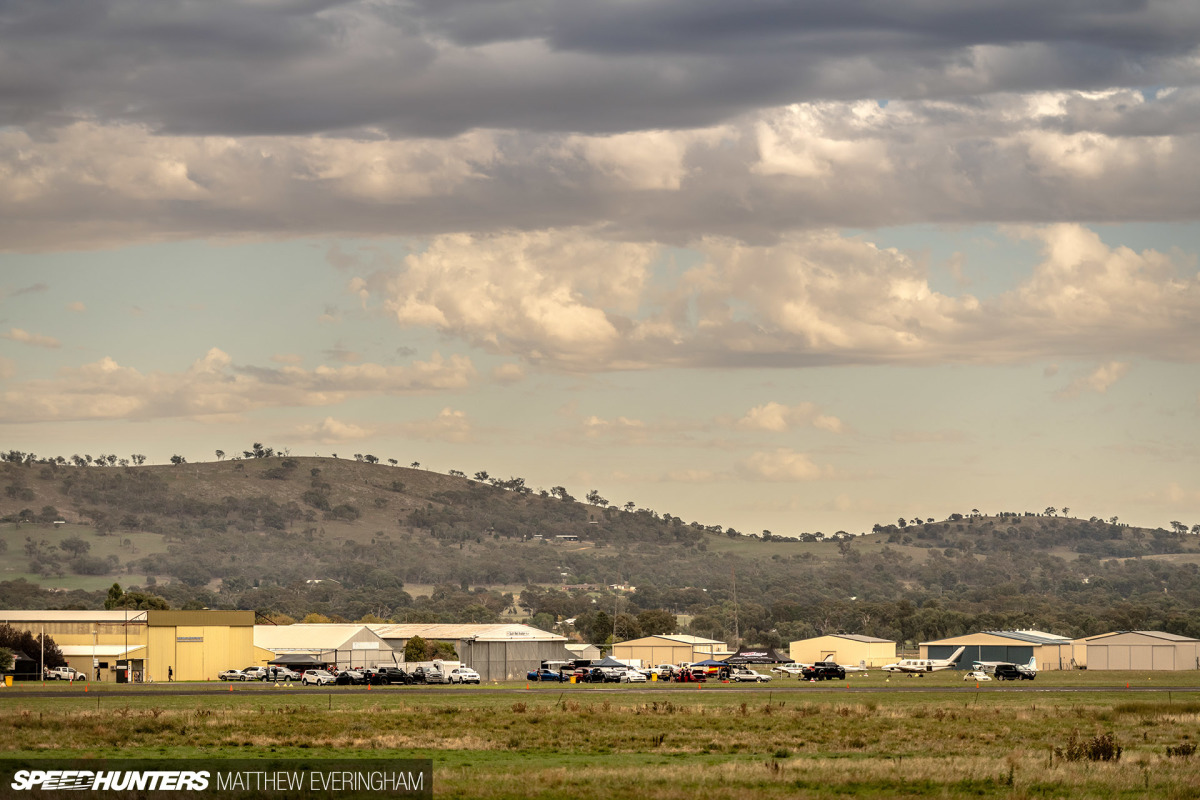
194, 645
497, 652
1141, 650
844, 648
1051, 650
674, 648
346, 646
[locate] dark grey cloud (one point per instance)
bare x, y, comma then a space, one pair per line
439, 67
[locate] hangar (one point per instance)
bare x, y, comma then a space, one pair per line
346, 646
673, 648
193, 645
497, 652
1151, 650
1051, 650
844, 648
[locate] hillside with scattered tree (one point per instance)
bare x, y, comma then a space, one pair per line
343, 538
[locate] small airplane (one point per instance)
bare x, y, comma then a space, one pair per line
990, 667
919, 666
862, 664
790, 669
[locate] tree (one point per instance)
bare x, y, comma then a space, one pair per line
178, 459
656, 621
138, 459
394, 462
1051, 511
595, 499
416, 465
220, 454
602, 628
75, 546
6, 659
481, 475
414, 649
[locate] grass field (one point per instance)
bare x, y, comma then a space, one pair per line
783, 739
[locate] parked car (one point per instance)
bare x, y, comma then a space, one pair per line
63, 674
740, 674
694, 675
394, 675
428, 675
254, 673
231, 675
546, 675
823, 671
350, 677
317, 677
1014, 672
977, 675
632, 676
463, 675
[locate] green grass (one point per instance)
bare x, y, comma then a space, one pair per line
674, 741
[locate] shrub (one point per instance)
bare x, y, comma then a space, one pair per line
1102, 747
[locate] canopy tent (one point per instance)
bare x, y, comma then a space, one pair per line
301, 660
758, 655
609, 661
710, 662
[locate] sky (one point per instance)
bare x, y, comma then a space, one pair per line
787, 266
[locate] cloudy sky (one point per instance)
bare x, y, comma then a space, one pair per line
797, 266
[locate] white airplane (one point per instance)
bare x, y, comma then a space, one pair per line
990, 666
919, 666
789, 669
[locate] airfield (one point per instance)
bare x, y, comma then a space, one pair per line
869, 736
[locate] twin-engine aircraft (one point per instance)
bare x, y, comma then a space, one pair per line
919, 666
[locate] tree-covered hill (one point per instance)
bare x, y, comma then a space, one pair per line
344, 538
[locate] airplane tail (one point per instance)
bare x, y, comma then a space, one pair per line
953, 659
1032, 665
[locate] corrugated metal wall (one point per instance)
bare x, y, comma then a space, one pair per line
500, 661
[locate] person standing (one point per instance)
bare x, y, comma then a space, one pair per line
170, 674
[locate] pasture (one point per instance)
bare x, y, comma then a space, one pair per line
931, 737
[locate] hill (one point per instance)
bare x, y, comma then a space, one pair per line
345, 538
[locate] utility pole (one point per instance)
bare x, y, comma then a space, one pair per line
737, 639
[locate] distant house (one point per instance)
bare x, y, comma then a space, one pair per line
567, 537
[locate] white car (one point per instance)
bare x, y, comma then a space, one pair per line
231, 675
316, 677
632, 676
977, 675
64, 674
743, 674
254, 673
462, 675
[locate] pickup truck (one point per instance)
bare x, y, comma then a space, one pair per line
823, 671
64, 674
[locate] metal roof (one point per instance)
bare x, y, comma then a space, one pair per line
118, 616
1033, 637
1170, 637
855, 637
480, 633
311, 637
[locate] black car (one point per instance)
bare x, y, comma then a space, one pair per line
546, 675
350, 677
1013, 672
823, 671
394, 675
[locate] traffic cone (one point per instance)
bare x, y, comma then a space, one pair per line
231, 687
368, 687
85, 687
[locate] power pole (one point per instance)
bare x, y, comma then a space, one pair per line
737, 639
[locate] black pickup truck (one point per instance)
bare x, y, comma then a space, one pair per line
823, 671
